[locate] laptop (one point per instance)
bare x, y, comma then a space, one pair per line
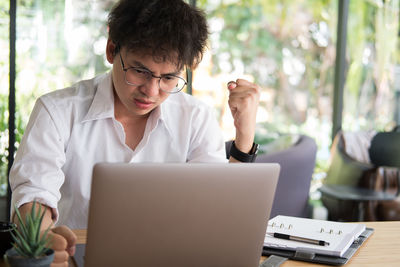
179, 214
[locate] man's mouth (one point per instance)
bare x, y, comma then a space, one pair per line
143, 104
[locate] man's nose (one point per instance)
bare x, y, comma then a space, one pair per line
151, 87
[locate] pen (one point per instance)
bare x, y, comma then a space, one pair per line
300, 239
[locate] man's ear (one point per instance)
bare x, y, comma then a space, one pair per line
110, 51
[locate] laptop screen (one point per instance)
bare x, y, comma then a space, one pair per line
179, 214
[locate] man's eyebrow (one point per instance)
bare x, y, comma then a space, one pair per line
138, 64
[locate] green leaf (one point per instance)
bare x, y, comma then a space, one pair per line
28, 241
21, 252
21, 222
45, 237
23, 244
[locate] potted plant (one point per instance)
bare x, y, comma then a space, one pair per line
30, 247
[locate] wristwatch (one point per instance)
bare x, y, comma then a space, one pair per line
244, 157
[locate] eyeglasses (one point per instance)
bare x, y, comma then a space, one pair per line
137, 76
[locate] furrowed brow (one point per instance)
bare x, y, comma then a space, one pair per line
137, 64
140, 65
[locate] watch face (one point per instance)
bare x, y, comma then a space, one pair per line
254, 149
244, 157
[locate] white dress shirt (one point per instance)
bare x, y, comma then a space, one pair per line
72, 129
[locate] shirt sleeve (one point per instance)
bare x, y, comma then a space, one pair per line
207, 143
36, 172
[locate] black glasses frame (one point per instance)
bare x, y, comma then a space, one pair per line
150, 75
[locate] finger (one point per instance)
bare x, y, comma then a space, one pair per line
57, 241
241, 105
71, 250
243, 82
244, 91
60, 256
231, 85
68, 235
59, 264
246, 99
240, 85
242, 94
252, 97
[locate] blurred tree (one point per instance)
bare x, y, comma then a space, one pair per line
289, 48
286, 46
53, 40
4, 82
373, 55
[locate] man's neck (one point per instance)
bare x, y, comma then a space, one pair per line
134, 125
121, 113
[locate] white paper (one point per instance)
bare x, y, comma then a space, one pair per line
339, 235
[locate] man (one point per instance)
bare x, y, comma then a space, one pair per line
136, 113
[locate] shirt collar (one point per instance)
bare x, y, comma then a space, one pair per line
163, 114
159, 117
103, 101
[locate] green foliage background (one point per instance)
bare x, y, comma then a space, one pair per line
287, 46
274, 34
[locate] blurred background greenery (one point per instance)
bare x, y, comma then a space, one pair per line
287, 47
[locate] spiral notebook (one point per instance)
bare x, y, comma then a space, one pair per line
343, 238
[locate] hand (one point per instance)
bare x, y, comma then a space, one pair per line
243, 101
63, 242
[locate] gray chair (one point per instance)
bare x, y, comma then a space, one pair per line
349, 191
297, 166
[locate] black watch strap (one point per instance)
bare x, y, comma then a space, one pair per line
244, 157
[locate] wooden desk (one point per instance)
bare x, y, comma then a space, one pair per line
382, 248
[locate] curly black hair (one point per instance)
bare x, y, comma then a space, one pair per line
169, 29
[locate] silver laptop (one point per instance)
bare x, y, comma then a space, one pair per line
179, 214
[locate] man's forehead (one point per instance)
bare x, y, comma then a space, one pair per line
157, 57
